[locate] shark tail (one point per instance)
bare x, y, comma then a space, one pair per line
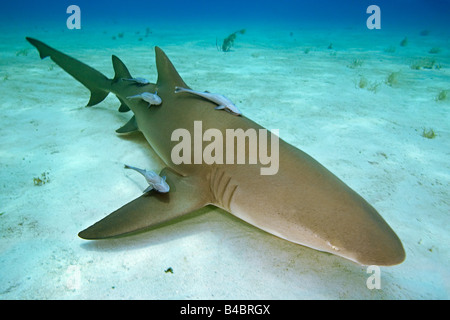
98, 84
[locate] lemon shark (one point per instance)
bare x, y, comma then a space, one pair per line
303, 202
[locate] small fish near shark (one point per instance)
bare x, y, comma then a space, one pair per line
223, 102
303, 202
138, 81
151, 98
155, 181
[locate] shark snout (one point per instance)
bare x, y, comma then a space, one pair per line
370, 240
385, 250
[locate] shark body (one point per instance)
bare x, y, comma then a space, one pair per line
303, 203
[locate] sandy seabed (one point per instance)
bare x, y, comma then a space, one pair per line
349, 98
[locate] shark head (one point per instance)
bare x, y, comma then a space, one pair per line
306, 204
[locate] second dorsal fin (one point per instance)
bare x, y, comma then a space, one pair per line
120, 70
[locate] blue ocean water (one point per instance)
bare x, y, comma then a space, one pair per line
358, 100
325, 13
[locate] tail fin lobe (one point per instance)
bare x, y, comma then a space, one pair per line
96, 82
97, 96
44, 50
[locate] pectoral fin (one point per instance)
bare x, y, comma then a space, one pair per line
186, 195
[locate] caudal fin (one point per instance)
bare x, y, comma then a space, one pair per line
96, 82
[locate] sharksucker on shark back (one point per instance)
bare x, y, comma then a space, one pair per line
303, 202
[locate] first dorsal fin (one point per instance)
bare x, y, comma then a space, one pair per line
167, 74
